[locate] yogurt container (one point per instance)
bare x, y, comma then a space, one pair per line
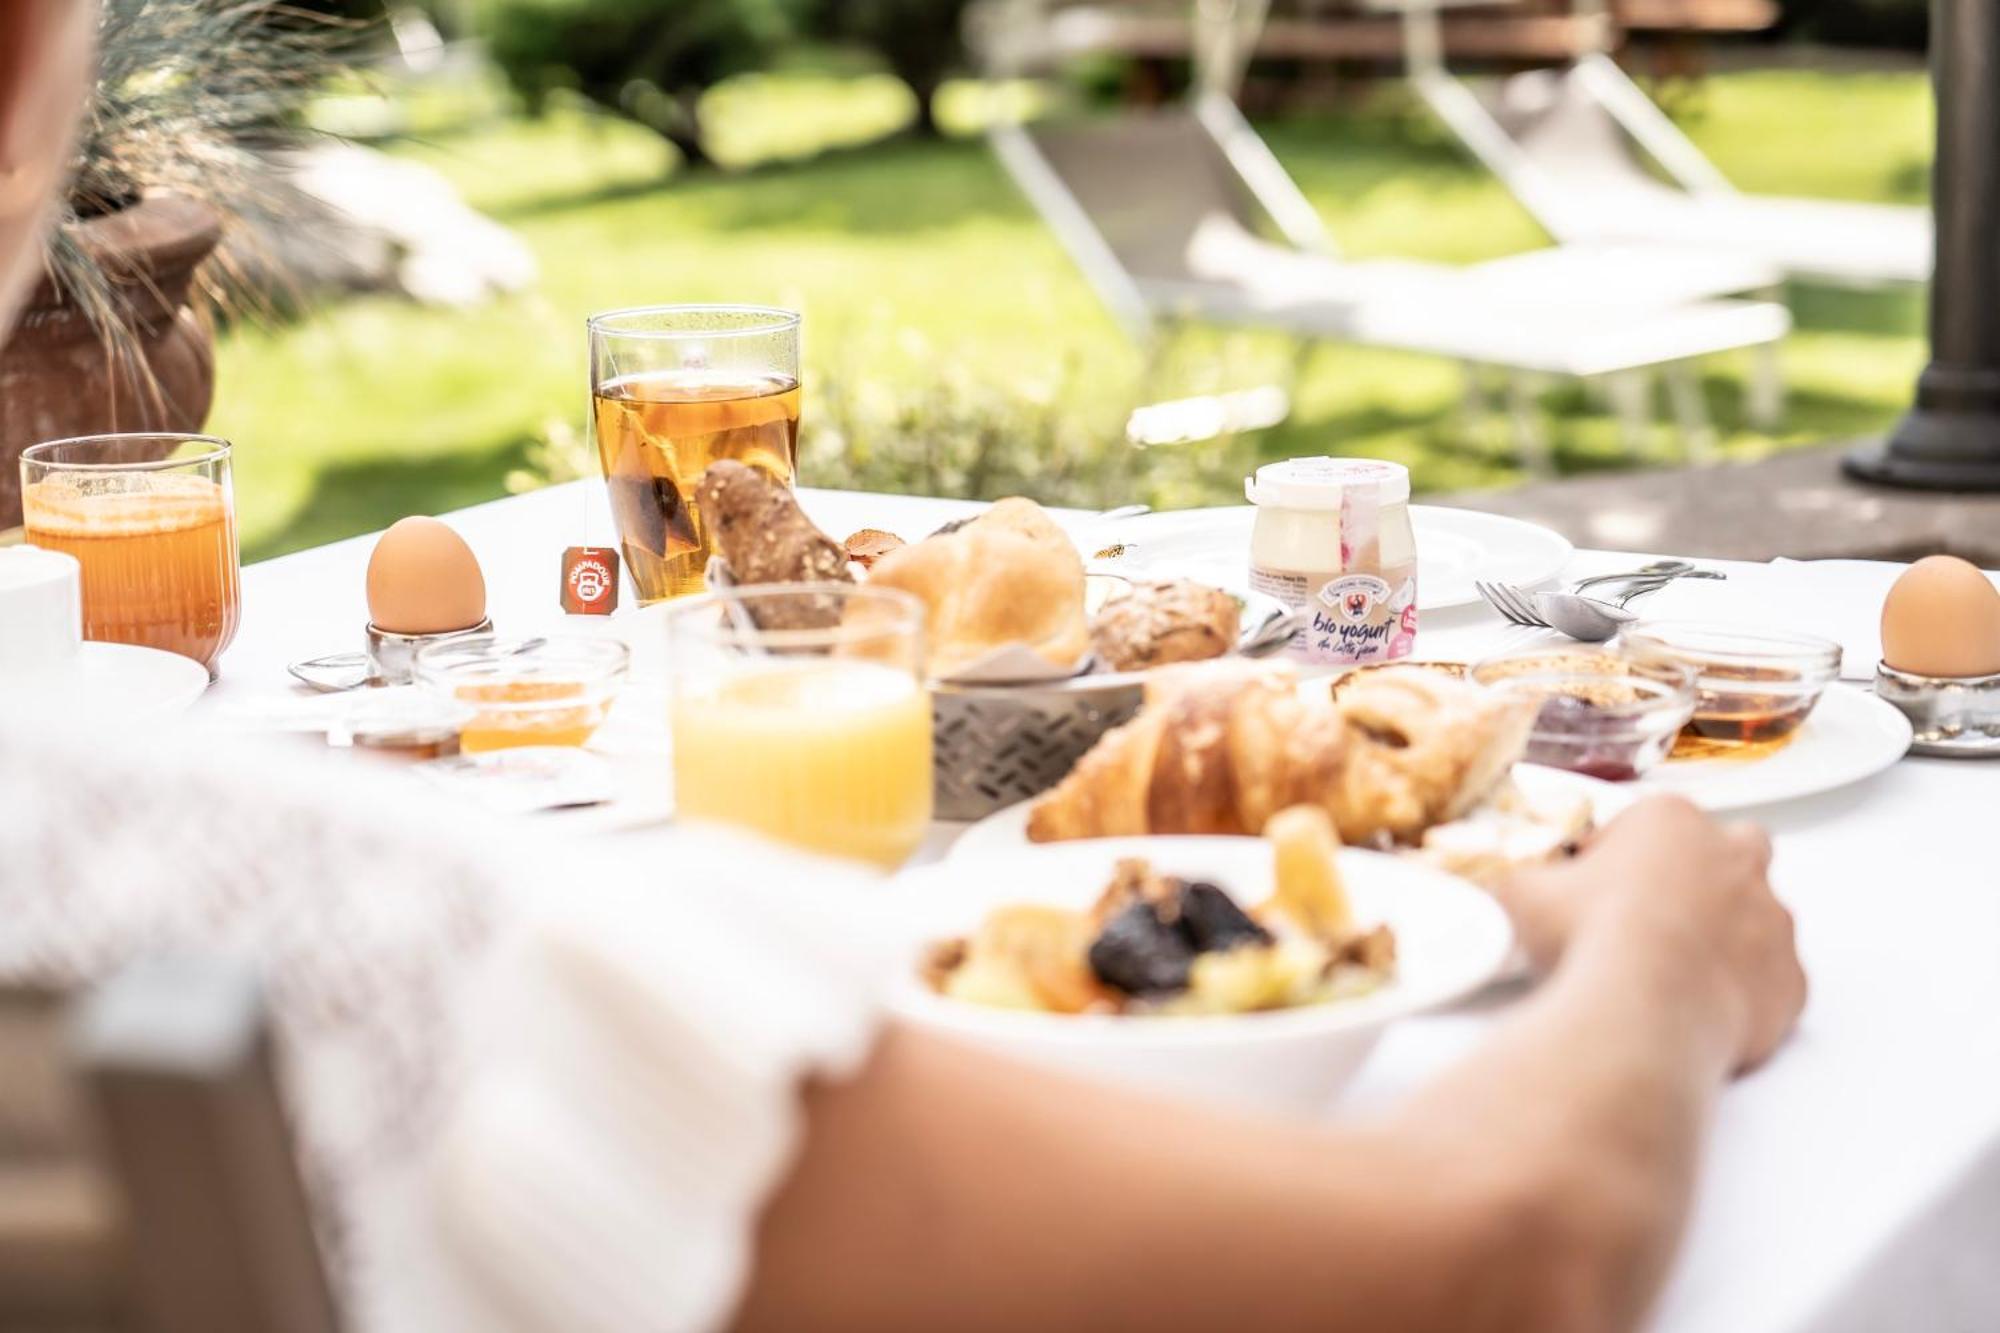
1333, 541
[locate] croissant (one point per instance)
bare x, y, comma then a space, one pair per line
1220, 748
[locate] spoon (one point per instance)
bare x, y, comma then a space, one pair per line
1591, 619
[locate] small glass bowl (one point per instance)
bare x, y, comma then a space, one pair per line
1750, 685
1577, 660
526, 691
1604, 718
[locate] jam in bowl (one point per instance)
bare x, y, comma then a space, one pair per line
1600, 715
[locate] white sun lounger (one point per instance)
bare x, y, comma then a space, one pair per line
1573, 146
1185, 215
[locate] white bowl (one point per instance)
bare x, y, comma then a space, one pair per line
1451, 939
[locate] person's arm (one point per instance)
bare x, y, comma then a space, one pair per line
1540, 1185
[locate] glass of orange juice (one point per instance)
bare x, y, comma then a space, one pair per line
152, 520
799, 711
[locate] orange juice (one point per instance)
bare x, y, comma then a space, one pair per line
828, 754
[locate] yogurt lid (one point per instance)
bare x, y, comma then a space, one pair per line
1319, 483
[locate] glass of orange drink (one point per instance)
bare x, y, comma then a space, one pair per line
152, 520
799, 711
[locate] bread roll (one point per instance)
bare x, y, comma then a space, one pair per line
1010, 576
1155, 624
760, 531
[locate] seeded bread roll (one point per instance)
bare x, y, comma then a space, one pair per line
759, 529
1158, 623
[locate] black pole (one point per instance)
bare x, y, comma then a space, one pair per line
1950, 441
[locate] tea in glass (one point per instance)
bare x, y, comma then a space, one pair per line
674, 389
152, 521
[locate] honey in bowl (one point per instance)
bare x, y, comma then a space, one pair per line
1753, 688
535, 691
527, 712
1731, 712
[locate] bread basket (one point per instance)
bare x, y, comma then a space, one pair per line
996, 745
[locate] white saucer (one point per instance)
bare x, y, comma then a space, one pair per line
113, 683
1849, 736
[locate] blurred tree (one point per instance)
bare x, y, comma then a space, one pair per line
649, 60
919, 39
1883, 23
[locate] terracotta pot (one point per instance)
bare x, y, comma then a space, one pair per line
56, 377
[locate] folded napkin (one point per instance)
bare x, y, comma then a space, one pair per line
1835, 599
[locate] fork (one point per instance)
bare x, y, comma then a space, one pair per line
1512, 604
1518, 604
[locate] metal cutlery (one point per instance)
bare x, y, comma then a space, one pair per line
1586, 618
1589, 619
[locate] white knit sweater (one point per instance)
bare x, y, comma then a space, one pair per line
537, 1084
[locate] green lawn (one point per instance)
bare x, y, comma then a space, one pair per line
950, 345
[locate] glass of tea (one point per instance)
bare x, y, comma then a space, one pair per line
673, 389
817, 734
152, 520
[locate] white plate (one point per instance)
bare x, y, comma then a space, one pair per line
1851, 735
1451, 939
1005, 832
114, 683
1454, 547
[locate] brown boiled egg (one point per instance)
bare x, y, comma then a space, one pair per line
423, 579
1942, 618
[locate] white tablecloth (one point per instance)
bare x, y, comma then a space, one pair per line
1853, 1185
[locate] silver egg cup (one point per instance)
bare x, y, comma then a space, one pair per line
1954, 717
389, 659
392, 657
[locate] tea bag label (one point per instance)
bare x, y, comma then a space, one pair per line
589, 580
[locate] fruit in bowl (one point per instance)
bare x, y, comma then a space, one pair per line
1243, 970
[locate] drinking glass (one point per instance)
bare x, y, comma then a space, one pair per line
672, 390
819, 737
152, 520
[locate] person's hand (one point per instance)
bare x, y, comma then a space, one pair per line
1665, 883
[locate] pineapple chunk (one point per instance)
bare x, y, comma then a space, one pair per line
1308, 891
993, 982
1038, 951
1251, 977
